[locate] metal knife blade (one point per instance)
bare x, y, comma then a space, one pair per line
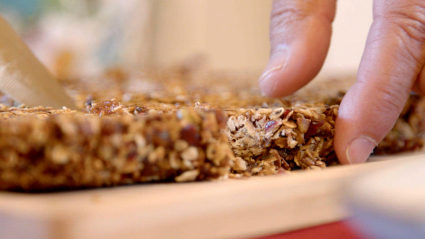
23, 77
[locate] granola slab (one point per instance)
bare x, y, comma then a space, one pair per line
407, 135
177, 129
272, 140
68, 150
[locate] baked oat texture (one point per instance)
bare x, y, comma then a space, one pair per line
271, 140
60, 149
176, 130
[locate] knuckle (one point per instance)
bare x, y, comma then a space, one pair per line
287, 11
284, 12
406, 22
409, 20
292, 8
288, 16
389, 100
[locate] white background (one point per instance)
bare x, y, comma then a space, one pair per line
234, 33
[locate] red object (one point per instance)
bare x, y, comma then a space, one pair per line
337, 230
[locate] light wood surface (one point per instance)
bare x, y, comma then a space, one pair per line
221, 209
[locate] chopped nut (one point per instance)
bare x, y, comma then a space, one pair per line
290, 124
256, 169
165, 136
190, 154
239, 164
187, 176
249, 127
303, 124
59, 155
231, 124
69, 149
276, 113
180, 145
314, 168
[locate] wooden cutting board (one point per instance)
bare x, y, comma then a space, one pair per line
221, 209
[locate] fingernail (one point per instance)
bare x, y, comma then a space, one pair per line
360, 149
276, 62
267, 81
268, 72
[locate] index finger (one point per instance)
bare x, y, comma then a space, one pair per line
300, 33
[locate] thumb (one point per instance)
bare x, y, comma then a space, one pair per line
393, 59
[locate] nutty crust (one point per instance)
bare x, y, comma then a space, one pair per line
177, 131
407, 133
113, 144
272, 140
69, 151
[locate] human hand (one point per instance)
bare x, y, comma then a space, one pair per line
392, 65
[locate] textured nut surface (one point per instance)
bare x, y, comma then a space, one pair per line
187, 176
239, 164
283, 138
70, 149
190, 154
151, 131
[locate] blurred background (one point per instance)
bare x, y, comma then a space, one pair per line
85, 37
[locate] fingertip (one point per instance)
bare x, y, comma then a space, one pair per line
359, 150
300, 35
272, 74
340, 138
275, 82
355, 133
360, 125
290, 69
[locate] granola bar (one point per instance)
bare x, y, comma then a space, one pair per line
261, 136
69, 150
408, 133
272, 140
